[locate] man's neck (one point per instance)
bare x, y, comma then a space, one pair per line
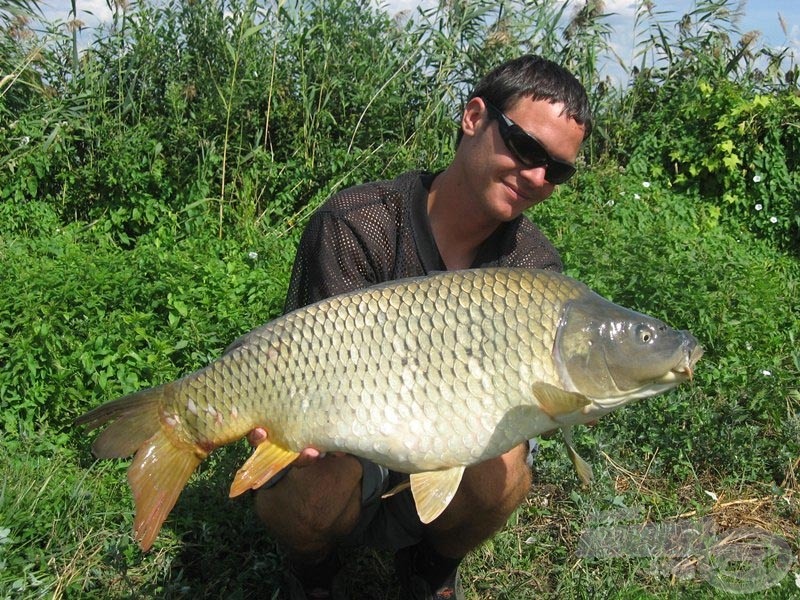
459, 227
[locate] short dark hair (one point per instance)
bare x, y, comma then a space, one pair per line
537, 78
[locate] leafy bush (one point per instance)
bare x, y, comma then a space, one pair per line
84, 321
707, 119
735, 151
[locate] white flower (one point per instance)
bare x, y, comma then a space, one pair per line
636, 196
773, 220
759, 206
646, 184
25, 141
766, 373
252, 255
756, 178
610, 203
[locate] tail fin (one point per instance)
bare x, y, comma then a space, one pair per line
157, 476
134, 421
162, 465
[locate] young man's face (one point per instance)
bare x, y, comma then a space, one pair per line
503, 184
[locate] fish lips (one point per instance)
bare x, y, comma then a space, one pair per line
692, 351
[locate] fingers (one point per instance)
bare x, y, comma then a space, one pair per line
311, 455
307, 455
256, 436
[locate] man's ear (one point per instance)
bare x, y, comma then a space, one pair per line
473, 116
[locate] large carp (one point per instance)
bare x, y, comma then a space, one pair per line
425, 376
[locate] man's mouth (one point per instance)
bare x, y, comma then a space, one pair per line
518, 195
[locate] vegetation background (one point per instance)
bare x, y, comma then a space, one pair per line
152, 189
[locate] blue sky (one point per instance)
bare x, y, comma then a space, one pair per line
758, 15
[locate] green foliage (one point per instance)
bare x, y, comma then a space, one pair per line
228, 107
713, 117
736, 151
85, 321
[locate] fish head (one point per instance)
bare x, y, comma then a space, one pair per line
613, 355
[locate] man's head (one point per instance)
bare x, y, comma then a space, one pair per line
521, 133
536, 78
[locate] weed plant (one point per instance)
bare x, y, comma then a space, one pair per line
154, 183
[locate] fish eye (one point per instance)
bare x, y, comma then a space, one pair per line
644, 334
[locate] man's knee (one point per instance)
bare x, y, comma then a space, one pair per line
318, 501
500, 484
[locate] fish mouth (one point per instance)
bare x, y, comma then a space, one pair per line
685, 370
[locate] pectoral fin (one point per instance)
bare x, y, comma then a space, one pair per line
556, 402
583, 468
433, 491
265, 462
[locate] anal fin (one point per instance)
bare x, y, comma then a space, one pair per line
434, 490
265, 462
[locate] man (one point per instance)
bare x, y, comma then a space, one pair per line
521, 131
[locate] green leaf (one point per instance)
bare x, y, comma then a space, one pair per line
732, 161
180, 306
253, 30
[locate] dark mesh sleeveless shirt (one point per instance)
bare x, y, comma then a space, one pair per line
380, 231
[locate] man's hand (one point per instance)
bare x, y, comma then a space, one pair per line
256, 436
307, 455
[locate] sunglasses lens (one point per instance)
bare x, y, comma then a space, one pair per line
532, 154
559, 172
527, 149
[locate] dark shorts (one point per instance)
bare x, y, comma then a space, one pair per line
392, 523
389, 523
385, 523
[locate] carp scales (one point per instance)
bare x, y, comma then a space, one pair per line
425, 376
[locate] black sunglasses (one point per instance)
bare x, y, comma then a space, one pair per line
528, 149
